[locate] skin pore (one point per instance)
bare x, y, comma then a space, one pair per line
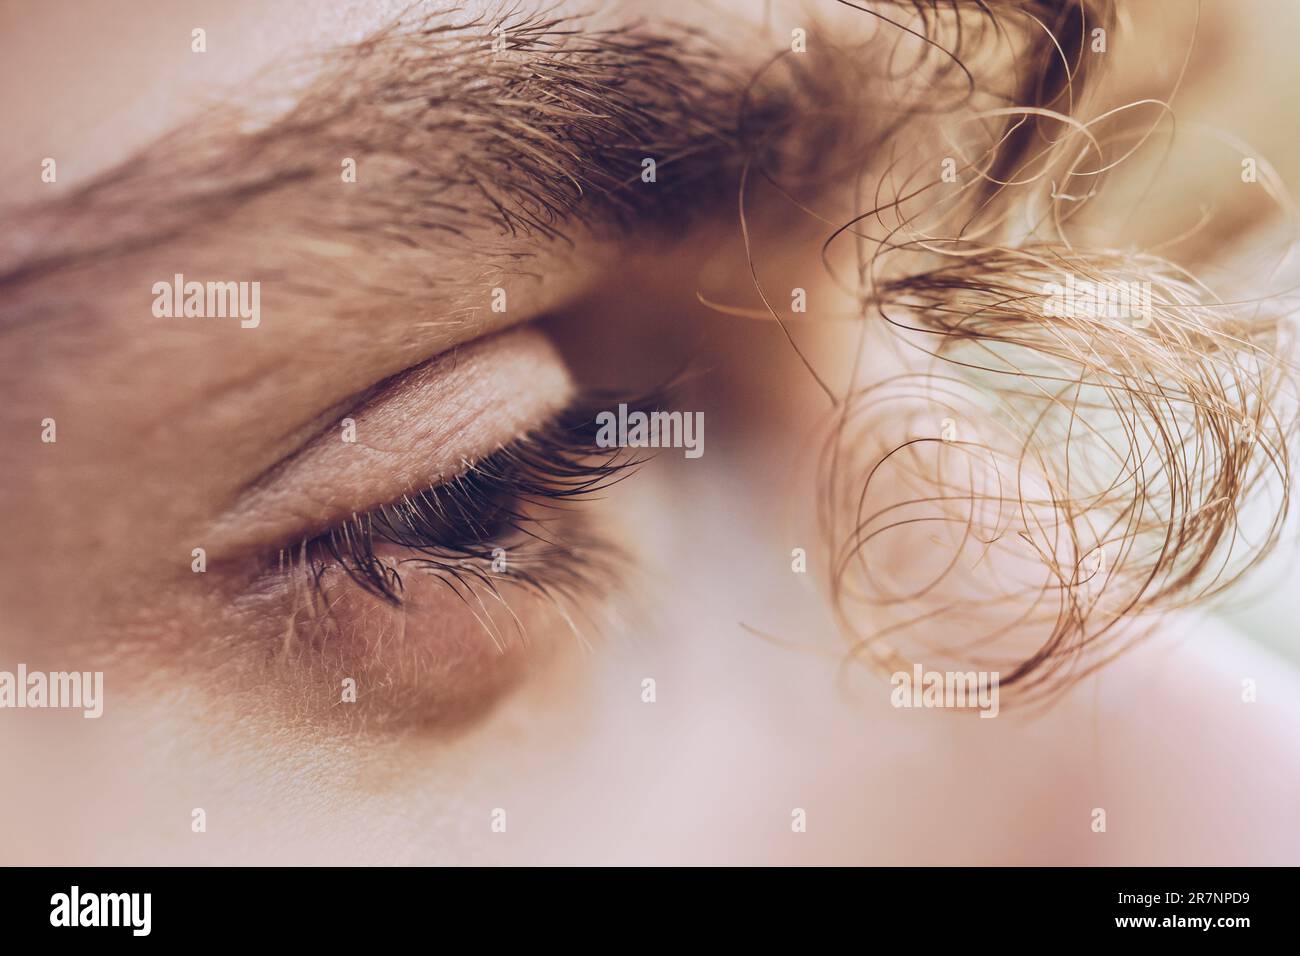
221, 694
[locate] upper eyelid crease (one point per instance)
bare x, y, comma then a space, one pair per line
423, 427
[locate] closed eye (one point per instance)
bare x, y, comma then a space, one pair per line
516, 510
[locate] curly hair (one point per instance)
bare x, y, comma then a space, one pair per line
1079, 429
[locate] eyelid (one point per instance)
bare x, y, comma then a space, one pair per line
514, 499
425, 426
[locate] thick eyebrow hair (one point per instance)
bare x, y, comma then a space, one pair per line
471, 131
466, 130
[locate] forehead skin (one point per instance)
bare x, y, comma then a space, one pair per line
89, 93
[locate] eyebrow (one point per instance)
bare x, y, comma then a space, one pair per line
503, 126
459, 131
474, 141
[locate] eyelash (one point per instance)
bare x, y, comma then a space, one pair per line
455, 528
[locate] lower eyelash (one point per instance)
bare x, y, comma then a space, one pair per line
499, 507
